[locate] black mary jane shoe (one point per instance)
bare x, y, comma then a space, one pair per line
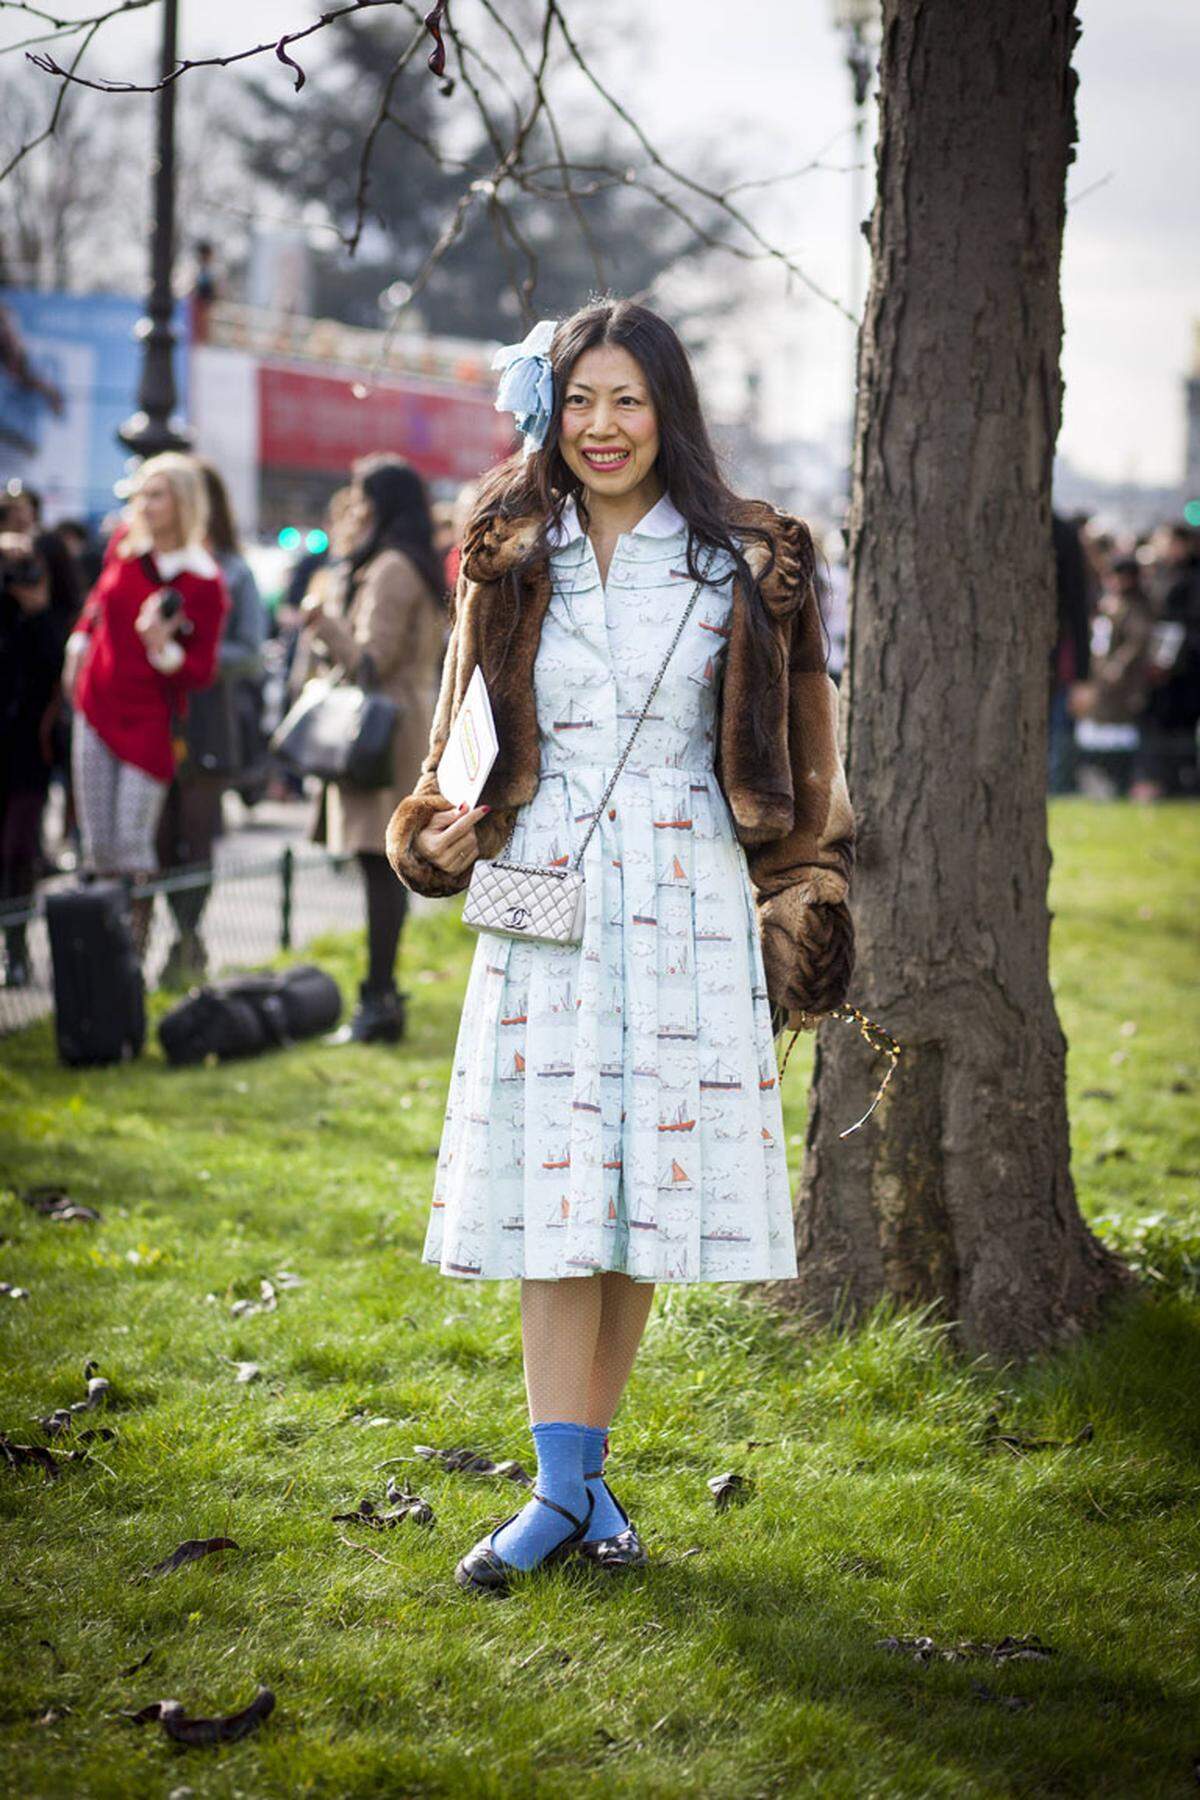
482, 1571
624, 1550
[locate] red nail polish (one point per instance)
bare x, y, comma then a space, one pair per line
487, 809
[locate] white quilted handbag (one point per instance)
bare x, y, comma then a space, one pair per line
546, 906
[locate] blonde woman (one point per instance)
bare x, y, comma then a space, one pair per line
148, 635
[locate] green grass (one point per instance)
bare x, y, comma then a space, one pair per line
749, 1667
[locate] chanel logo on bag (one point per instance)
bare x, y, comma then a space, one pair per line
516, 918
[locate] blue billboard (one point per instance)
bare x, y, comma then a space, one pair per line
69, 370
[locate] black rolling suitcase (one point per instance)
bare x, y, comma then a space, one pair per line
99, 995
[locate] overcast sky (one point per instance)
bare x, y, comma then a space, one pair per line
770, 90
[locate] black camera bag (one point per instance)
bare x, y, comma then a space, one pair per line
246, 1014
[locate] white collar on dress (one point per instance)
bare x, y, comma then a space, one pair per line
662, 521
190, 559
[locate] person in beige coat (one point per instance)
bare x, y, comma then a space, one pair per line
378, 614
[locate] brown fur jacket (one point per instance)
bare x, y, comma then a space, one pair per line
790, 809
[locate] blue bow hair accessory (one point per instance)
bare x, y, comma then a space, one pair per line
527, 383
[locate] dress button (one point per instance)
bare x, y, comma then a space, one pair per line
612, 812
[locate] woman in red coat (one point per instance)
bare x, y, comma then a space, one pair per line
132, 659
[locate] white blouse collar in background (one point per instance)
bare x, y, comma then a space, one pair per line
662, 521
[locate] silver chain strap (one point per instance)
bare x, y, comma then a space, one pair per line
577, 859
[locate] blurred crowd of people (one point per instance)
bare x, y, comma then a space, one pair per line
144, 675
136, 674
1125, 671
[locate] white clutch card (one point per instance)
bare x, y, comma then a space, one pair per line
472, 746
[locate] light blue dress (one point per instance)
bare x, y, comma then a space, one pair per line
615, 1104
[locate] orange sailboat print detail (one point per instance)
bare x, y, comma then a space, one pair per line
673, 824
679, 1123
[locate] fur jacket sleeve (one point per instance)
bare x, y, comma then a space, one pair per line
787, 794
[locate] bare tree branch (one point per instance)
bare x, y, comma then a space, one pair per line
280, 46
56, 114
518, 172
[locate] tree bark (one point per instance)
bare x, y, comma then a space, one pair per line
958, 1189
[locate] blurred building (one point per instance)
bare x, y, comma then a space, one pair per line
283, 404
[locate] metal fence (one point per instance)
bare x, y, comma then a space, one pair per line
256, 908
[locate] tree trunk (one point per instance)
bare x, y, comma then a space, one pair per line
958, 1188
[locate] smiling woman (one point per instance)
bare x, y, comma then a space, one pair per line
653, 651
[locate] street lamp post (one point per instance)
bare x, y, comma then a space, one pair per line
154, 427
859, 21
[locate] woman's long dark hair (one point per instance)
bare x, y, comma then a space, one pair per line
402, 521
222, 532
541, 483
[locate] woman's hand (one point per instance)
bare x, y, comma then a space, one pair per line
449, 841
72, 663
155, 631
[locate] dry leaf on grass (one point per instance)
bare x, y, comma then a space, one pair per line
406, 1506
471, 1462
55, 1203
191, 1551
173, 1718
730, 1490
50, 1462
63, 1417
1029, 1648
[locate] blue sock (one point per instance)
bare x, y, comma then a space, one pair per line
537, 1529
606, 1520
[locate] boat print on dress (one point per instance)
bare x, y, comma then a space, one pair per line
720, 1075
574, 720
557, 1193
677, 1033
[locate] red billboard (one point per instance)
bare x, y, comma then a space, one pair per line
318, 422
